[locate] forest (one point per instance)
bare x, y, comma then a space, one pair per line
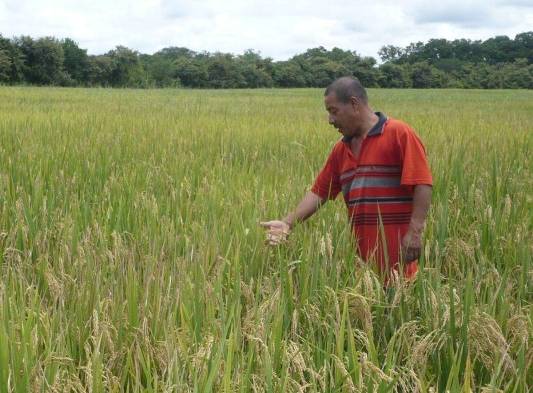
497, 63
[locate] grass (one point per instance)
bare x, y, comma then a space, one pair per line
132, 259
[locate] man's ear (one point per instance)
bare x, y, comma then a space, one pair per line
355, 102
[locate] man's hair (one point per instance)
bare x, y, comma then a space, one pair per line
346, 87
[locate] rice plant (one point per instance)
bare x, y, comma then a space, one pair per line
132, 259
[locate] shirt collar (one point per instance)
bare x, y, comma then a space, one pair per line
376, 130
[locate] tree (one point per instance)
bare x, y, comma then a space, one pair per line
437, 49
467, 51
319, 66
499, 62
366, 72
424, 75
499, 49
127, 69
393, 75
161, 71
257, 72
517, 75
524, 43
43, 60
100, 70
255, 77
5, 66
411, 53
223, 72
76, 61
174, 53
288, 74
325, 71
192, 72
12, 63
390, 53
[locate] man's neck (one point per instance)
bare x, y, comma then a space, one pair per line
370, 121
357, 140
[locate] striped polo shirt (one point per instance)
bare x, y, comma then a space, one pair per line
378, 188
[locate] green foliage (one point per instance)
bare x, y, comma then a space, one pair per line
389, 53
499, 62
288, 74
256, 71
192, 72
76, 62
100, 69
394, 76
160, 71
223, 72
132, 260
126, 68
423, 76
5, 66
518, 74
12, 55
43, 60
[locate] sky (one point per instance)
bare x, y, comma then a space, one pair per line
276, 28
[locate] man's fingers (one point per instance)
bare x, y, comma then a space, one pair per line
277, 232
273, 242
275, 227
275, 239
276, 236
410, 254
274, 224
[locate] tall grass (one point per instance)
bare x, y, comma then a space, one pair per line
132, 259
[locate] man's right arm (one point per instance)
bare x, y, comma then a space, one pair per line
278, 230
308, 206
326, 186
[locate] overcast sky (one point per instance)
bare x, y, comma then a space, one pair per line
278, 29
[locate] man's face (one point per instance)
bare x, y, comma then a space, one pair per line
343, 116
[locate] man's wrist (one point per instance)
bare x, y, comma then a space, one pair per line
289, 221
416, 226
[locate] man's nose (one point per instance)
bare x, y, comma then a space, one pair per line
330, 120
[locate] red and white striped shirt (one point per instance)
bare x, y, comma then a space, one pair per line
378, 188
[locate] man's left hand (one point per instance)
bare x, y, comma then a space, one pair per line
411, 245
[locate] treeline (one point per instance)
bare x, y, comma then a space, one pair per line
498, 62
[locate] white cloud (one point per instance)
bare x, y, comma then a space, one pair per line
277, 28
465, 14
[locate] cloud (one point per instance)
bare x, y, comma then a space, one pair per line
460, 13
277, 28
516, 3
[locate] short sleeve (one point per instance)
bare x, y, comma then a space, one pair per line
327, 184
415, 167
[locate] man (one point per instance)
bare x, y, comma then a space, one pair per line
381, 168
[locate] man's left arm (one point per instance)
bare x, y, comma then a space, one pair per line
412, 240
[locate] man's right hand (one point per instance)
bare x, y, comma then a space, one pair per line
277, 231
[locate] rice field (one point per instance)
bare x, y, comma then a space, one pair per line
131, 257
